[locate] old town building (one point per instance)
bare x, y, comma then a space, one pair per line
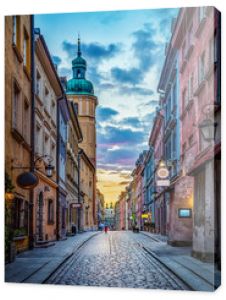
74, 137
178, 195
81, 92
18, 103
47, 90
139, 195
200, 106
63, 117
100, 204
87, 192
156, 141
148, 189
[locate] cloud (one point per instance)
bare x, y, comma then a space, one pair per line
105, 113
119, 136
136, 90
151, 103
132, 76
144, 46
94, 51
56, 60
132, 121
124, 182
65, 72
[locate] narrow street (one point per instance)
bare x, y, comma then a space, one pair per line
116, 259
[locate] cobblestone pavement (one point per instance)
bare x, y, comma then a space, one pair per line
116, 259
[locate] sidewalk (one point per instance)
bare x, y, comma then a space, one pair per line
196, 274
36, 265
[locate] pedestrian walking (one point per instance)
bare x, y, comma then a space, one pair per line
106, 229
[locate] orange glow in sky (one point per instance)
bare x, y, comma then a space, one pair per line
111, 183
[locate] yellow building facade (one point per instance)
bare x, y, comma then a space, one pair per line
81, 92
18, 36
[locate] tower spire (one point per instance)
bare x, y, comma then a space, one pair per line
79, 49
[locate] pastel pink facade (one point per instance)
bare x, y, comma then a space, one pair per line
197, 38
156, 140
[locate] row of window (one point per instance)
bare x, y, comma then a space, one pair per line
22, 47
20, 112
45, 95
44, 144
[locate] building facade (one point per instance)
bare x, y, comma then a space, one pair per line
201, 106
81, 92
87, 191
156, 141
47, 91
18, 103
74, 135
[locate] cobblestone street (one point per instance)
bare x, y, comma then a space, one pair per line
116, 259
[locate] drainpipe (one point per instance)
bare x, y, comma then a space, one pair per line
57, 170
79, 190
32, 137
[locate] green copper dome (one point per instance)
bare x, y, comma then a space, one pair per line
78, 84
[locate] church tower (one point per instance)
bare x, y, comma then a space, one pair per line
80, 91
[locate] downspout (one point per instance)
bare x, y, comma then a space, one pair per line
32, 137
57, 170
79, 190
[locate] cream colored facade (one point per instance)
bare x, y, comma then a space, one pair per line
87, 189
86, 105
74, 135
47, 91
17, 119
86, 115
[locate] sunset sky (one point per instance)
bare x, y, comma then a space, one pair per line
124, 51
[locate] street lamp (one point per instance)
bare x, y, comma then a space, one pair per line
29, 180
208, 129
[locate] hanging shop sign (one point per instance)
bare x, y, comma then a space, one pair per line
164, 182
184, 212
76, 205
27, 180
163, 172
144, 216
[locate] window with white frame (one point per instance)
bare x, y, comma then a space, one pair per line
16, 105
38, 139
26, 121
26, 49
185, 98
47, 99
16, 31
202, 67
190, 36
190, 87
202, 13
38, 83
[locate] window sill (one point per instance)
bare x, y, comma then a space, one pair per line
27, 72
183, 66
17, 52
200, 27
189, 52
39, 99
17, 135
200, 87
209, 72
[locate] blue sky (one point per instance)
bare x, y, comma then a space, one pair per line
124, 51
